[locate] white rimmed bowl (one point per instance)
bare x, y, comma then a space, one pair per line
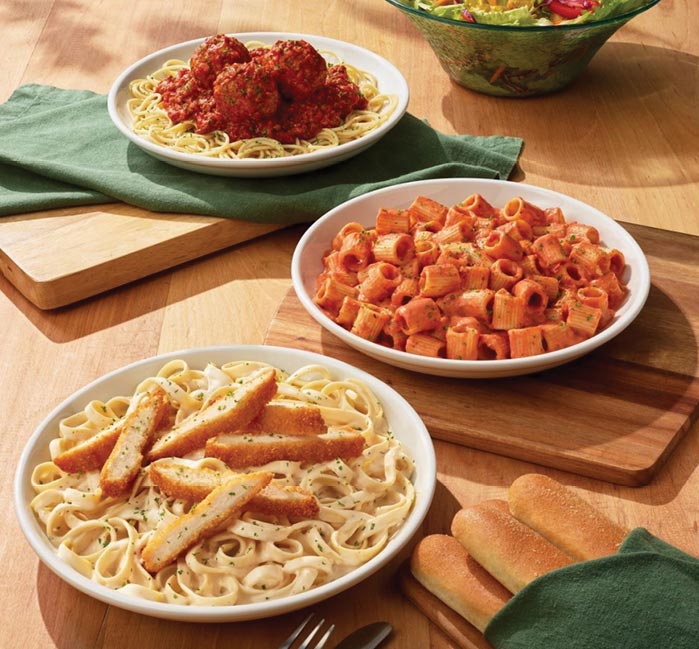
389, 79
307, 264
403, 421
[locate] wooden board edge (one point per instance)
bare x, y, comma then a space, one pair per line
73, 287
19, 279
630, 475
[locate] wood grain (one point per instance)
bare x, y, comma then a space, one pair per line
623, 138
649, 396
54, 260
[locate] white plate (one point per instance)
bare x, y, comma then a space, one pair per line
403, 421
390, 81
307, 264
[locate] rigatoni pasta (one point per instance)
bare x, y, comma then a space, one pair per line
472, 281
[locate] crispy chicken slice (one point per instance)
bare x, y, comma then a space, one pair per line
294, 502
91, 453
124, 461
244, 450
179, 480
203, 520
288, 419
231, 411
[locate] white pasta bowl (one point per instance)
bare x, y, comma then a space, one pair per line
402, 420
307, 264
389, 81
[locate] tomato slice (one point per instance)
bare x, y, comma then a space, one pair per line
565, 11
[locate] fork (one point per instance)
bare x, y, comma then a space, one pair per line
306, 644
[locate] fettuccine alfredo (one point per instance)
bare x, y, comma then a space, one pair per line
254, 556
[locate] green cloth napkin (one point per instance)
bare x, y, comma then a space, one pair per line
59, 148
644, 597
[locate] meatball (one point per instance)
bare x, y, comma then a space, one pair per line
213, 55
299, 67
342, 92
207, 117
246, 90
326, 107
261, 54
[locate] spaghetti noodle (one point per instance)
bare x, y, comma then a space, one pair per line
152, 122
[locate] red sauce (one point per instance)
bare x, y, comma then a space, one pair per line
213, 55
285, 92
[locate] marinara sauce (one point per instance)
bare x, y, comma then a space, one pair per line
285, 92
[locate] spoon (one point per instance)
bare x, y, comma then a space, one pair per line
366, 637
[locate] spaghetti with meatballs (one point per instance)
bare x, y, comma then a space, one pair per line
253, 100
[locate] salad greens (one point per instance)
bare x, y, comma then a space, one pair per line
527, 12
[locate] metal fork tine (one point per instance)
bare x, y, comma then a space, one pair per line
295, 634
307, 642
324, 639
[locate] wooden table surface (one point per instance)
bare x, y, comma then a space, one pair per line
625, 138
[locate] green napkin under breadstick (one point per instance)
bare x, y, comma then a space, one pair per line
644, 597
546, 569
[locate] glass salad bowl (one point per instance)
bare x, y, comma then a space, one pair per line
514, 60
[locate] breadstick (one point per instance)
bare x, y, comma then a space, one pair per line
497, 503
562, 517
509, 550
442, 565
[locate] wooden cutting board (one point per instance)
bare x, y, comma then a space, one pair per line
59, 257
614, 415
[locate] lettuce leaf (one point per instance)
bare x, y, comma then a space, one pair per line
532, 12
611, 8
520, 16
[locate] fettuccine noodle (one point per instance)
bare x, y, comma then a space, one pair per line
363, 501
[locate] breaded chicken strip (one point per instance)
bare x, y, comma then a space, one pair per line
294, 502
288, 419
180, 534
124, 462
91, 453
179, 480
244, 450
231, 411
